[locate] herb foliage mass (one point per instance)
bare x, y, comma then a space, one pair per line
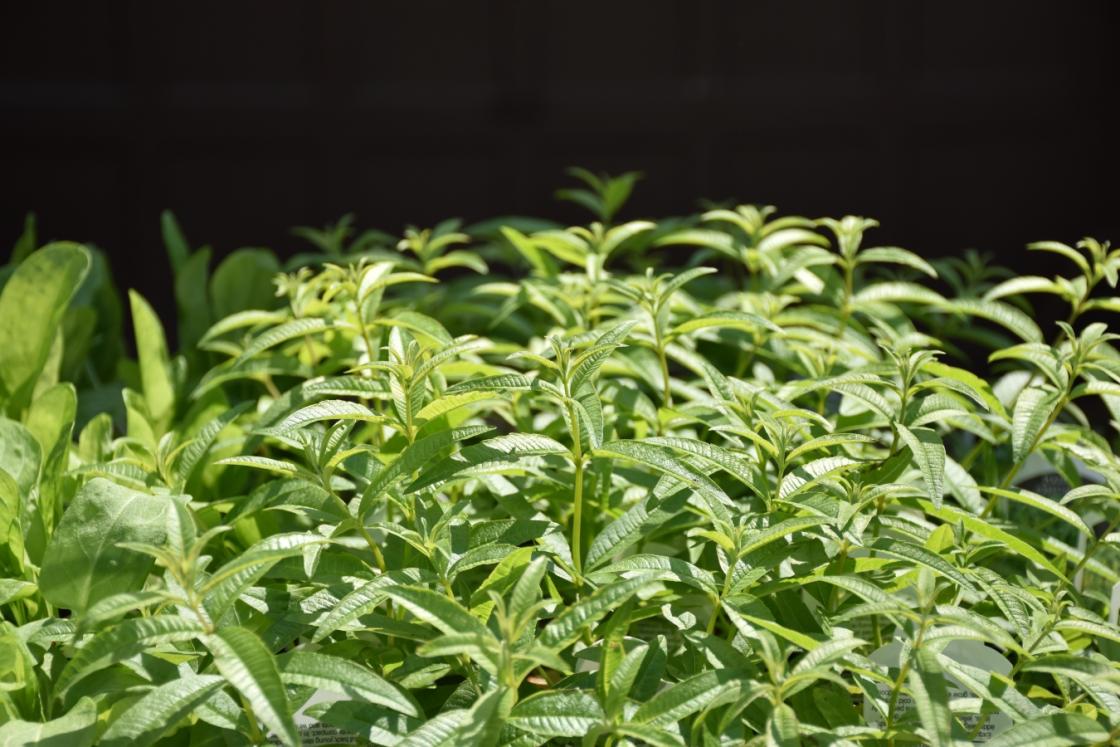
677, 482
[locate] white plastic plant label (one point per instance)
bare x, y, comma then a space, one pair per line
969, 653
313, 732
1114, 605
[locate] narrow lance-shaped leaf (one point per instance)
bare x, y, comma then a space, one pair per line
560, 713
931, 698
250, 668
929, 455
335, 674
77, 728
161, 708
566, 626
155, 363
436, 609
1032, 410
122, 641
688, 696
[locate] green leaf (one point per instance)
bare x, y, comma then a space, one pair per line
496, 383
413, 458
982, 390
84, 562
1042, 503
287, 331
619, 235
125, 640
827, 441
451, 402
929, 454
480, 649
227, 583
76, 729
559, 713
379, 725
1056, 247
664, 461
155, 363
893, 292
717, 456
895, 255
436, 610
566, 627
262, 463
160, 710
931, 698
665, 569
588, 363
910, 552
1033, 409
250, 668
192, 454
32, 304
782, 530
27, 241
1090, 628
541, 263
782, 729
687, 697
494, 452
19, 469
243, 281
1053, 730
178, 250
363, 600
1022, 284
345, 677
976, 525
682, 279
527, 590
327, 410
242, 320
1002, 314
633, 525
726, 319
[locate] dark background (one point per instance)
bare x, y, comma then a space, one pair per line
957, 124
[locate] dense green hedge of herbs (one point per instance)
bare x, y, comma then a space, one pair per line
730, 478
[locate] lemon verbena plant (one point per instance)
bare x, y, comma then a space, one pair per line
735, 478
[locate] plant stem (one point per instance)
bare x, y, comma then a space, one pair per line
903, 672
667, 393
577, 492
377, 556
364, 330
255, 735
577, 521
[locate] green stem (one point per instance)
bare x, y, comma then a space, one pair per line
377, 556
903, 673
723, 593
255, 735
273, 392
577, 490
577, 521
667, 393
410, 429
364, 329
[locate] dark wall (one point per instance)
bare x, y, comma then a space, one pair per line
956, 123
